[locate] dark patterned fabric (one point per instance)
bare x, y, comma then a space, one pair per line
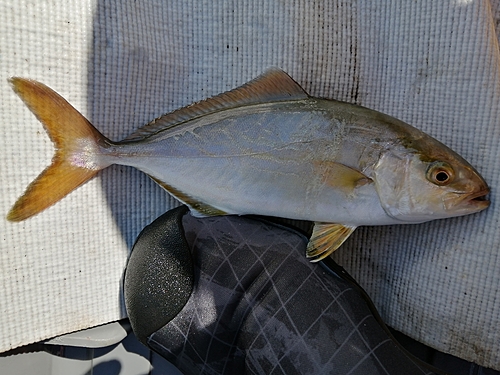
259, 307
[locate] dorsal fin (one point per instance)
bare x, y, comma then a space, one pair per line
272, 86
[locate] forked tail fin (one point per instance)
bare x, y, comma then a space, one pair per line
76, 141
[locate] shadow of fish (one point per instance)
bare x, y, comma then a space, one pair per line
266, 148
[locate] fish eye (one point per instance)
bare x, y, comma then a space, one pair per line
440, 173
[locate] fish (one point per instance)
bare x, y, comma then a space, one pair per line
266, 148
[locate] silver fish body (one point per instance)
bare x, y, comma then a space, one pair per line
268, 148
276, 159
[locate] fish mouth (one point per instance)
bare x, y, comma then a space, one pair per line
475, 201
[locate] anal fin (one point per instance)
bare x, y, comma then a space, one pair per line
326, 238
197, 208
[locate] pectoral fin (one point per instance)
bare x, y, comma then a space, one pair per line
341, 177
326, 238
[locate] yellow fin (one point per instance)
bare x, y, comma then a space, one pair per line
197, 208
75, 139
326, 238
53, 184
272, 86
340, 176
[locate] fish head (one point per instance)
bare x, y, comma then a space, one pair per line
427, 183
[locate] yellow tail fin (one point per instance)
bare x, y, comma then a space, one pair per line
76, 141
